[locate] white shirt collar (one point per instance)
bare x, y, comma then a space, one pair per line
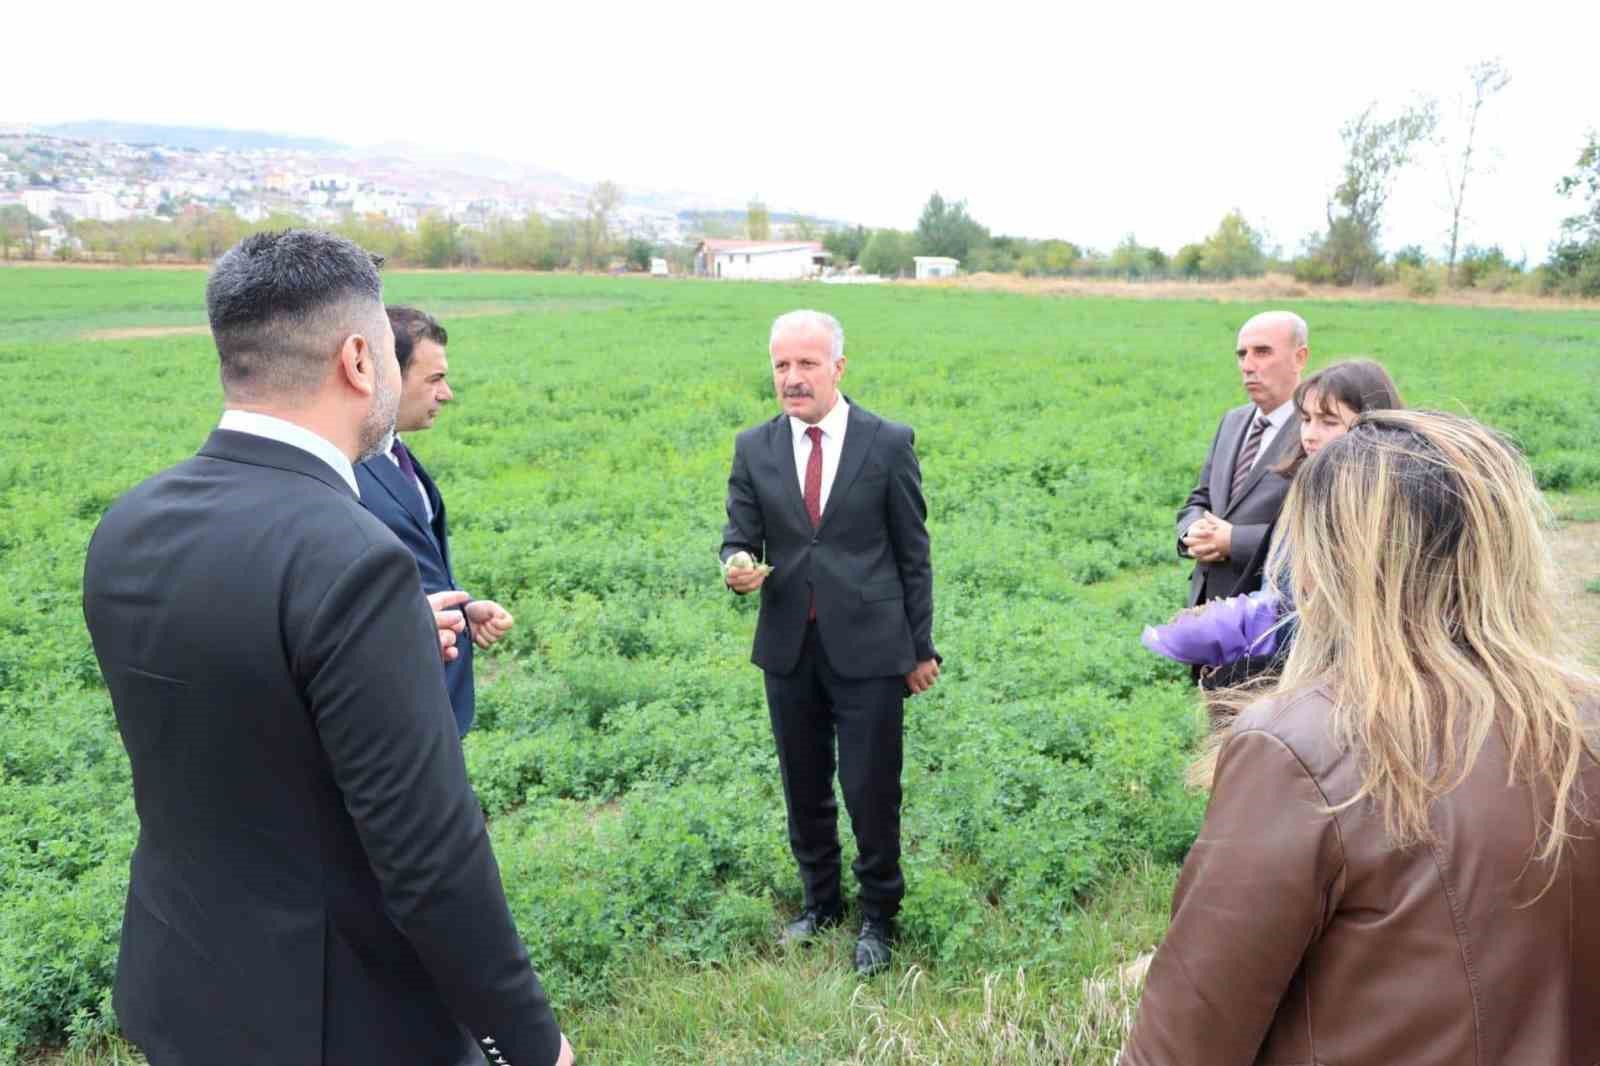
284, 432
1280, 414
832, 423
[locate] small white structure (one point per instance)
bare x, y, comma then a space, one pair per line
658, 267
935, 266
764, 260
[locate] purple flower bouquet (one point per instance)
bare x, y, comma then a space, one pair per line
1221, 631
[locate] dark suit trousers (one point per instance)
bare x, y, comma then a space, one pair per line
809, 708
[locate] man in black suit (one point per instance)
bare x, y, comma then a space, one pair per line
313, 880
397, 488
830, 496
1230, 512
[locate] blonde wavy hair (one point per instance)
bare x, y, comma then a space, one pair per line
1427, 603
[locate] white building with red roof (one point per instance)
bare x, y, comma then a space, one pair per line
759, 260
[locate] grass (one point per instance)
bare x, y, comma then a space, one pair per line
753, 1010
806, 1007
622, 748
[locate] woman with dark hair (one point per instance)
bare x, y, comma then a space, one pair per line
1399, 859
1329, 401
1237, 641
1327, 404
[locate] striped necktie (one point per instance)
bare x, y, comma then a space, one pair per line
1247, 457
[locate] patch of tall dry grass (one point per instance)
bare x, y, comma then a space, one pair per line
1269, 287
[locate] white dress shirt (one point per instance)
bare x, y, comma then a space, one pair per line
833, 425
416, 483
260, 425
1281, 416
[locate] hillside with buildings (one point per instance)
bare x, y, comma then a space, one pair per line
83, 171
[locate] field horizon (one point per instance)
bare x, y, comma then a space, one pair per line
1270, 286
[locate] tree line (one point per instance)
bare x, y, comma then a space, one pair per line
1347, 250
194, 232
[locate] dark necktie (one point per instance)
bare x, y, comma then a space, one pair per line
1247, 457
402, 455
813, 496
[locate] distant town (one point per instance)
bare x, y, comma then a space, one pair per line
129, 193
61, 178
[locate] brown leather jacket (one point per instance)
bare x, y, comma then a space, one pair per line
1301, 938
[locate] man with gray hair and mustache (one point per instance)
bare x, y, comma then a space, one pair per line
1231, 511
826, 518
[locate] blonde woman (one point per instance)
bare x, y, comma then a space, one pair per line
1399, 862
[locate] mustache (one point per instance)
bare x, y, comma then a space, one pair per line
798, 391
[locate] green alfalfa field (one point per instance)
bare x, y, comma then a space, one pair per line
622, 750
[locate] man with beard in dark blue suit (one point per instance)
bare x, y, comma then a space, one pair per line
397, 488
313, 881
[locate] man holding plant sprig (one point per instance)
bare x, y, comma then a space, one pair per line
826, 518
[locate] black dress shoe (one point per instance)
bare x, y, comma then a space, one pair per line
873, 946
808, 925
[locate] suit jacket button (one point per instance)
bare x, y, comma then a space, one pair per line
816, 540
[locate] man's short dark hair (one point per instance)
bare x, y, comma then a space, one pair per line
411, 325
281, 304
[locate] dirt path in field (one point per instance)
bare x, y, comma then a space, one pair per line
132, 333
1577, 549
127, 333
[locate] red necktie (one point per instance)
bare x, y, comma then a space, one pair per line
814, 477
813, 496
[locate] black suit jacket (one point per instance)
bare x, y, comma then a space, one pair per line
313, 881
867, 563
1252, 513
389, 494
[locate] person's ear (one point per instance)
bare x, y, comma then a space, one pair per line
357, 365
838, 368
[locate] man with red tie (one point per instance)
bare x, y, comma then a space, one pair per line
1231, 511
396, 487
827, 499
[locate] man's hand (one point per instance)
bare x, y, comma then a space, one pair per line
1209, 539
566, 1056
448, 620
744, 579
490, 622
922, 678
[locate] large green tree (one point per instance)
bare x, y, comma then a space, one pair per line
1130, 259
887, 253
438, 241
19, 228
1574, 263
947, 229
1376, 149
1235, 250
846, 244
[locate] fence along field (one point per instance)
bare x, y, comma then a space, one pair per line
622, 748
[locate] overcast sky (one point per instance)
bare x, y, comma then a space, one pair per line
1152, 119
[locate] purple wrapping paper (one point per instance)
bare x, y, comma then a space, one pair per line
1221, 631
